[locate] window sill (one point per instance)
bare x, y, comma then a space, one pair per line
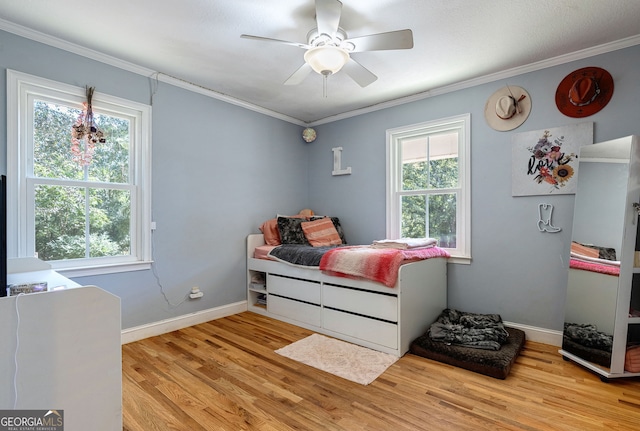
463, 260
104, 269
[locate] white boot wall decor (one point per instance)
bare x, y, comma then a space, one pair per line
544, 219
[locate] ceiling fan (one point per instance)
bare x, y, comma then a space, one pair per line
328, 49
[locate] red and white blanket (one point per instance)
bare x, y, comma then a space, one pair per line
594, 264
376, 264
594, 267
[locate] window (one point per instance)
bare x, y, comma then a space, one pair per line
428, 183
81, 218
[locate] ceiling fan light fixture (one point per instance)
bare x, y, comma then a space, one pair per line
326, 60
328, 50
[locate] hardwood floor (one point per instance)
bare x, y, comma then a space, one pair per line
224, 375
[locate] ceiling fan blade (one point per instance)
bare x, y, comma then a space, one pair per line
328, 16
298, 76
359, 73
268, 39
400, 39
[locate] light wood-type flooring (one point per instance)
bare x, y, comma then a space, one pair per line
224, 375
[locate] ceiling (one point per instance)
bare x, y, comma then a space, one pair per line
198, 42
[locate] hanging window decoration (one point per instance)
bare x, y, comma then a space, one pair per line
85, 130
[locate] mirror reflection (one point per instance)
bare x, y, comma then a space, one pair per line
594, 268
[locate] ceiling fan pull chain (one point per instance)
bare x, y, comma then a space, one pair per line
324, 85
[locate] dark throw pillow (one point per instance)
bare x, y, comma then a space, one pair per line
290, 230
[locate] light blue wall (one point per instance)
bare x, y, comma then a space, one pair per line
218, 171
516, 271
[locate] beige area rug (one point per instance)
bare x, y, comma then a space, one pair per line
346, 360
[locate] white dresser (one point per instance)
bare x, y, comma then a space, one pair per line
66, 344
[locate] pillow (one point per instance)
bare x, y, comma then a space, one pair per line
584, 250
606, 253
336, 223
270, 231
321, 232
291, 231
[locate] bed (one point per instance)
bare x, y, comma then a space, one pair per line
594, 258
592, 288
369, 313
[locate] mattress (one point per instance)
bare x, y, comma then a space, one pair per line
262, 251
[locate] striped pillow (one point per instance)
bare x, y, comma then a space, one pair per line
321, 232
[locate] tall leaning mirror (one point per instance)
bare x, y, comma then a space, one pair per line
596, 247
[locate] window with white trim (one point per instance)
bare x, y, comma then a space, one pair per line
428, 183
87, 215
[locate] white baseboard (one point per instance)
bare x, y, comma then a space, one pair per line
539, 335
129, 335
136, 333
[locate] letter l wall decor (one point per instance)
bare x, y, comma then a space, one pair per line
337, 163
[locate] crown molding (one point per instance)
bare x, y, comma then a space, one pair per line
153, 74
224, 97
72, 47
509, 73
134, 68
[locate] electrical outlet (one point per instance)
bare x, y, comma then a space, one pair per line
195, 293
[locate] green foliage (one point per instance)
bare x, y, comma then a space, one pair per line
414, 216
74, 247
61, 217
431, 214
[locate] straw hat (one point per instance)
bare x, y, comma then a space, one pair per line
507, 108
584, 92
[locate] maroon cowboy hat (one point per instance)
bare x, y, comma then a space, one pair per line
584, 92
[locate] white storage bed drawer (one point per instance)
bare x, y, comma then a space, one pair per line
362, 302
295, 310
363, 328
294, 288
359, 311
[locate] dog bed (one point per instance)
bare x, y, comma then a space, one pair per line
493, 363
597, 356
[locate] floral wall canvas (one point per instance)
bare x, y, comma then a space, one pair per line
546, 161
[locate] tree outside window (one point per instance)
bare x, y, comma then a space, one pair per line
84, 216
74, 221
428, 183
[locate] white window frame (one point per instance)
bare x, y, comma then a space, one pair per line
462, 123
21, 88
